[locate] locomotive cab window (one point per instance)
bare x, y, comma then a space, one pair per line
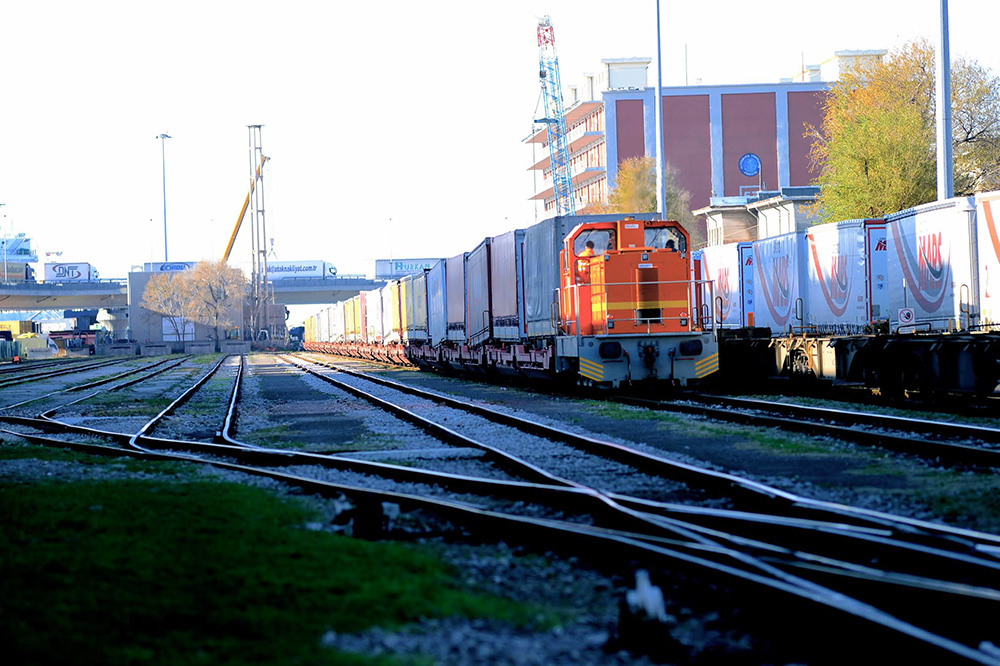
601, 241
665, 238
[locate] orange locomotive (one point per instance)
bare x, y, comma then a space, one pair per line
597, 299
626, 304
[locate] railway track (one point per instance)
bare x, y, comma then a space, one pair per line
785, 559
941, 442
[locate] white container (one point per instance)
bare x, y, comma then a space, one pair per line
930, 272
373, 315
67, 272
388, 334
337, 322
838, 277
988, 231
721, 265
279, 270
780, 282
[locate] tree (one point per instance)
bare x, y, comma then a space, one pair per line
211, 294
217, 292
635, 192
168, 294
876, 147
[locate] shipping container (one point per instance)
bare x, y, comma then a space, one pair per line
838, 277
14, 271
352, 319
416, 326
323, 325
279, 270
68, 272
337, 322
721, 265
988, 231
437, 302
373, 315
506, 286
362, 317
399, 307
781, 282
16, 328
390, 312
542, 243
455, 293
477, 283
931, 274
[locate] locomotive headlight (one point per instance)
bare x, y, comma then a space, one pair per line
645, 256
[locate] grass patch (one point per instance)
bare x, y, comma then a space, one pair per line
620, 412
14, 451
201, 573
118, 404
785, 445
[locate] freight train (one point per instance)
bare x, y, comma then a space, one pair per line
599, 299
908, 301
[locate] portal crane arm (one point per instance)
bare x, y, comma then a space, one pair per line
243, 211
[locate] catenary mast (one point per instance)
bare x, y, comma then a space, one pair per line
555, 119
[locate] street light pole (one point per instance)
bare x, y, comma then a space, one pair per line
5, 247
163, 155
661, 208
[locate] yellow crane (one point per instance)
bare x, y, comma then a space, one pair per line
243, 211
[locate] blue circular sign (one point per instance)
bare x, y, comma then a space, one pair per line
749, 165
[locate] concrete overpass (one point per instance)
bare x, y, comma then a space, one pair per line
63, 295
114, 293
321, 291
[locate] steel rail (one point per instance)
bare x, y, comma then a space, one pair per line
71, 389
798, 418
55, 373
28, 366
660, 539
916, 551
615, 549
47, 414
783, 533
225, 434
513, 463
761, 496
849, 417
177, 402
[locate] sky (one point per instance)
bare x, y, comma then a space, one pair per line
394, 129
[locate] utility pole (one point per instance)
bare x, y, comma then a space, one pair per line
942, 70
4, 247
163, 155
658, 104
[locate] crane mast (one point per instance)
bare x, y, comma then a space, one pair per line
555, 119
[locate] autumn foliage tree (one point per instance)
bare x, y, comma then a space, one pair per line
876, 147
167, 294
635, 192
211, 294
217, 292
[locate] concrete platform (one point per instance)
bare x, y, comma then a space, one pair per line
155, 349
234, 347
200, 347
118, 349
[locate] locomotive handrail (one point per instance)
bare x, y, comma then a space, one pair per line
603, 294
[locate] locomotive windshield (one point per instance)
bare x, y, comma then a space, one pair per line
602, 240
665, 238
